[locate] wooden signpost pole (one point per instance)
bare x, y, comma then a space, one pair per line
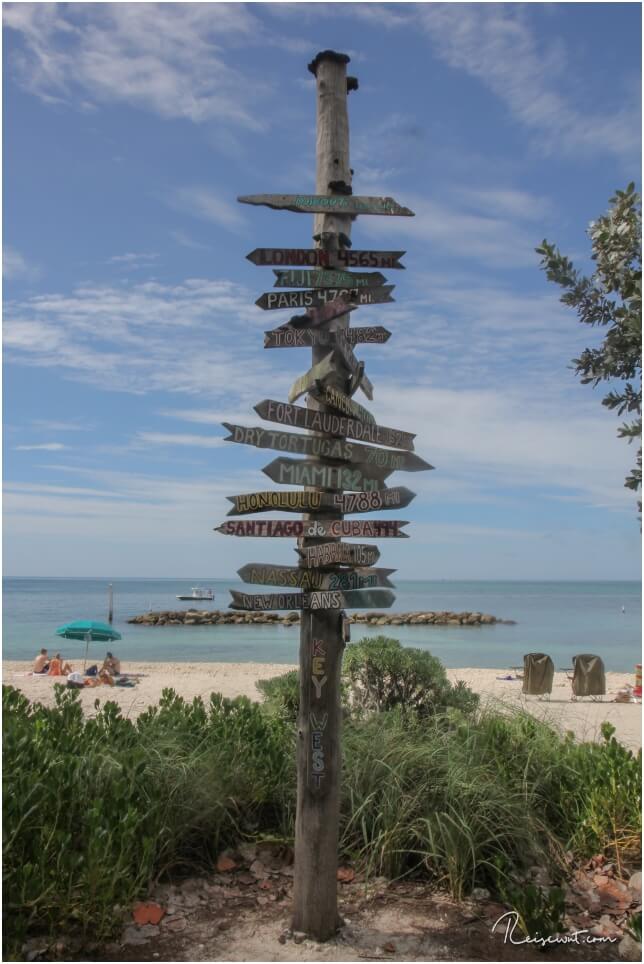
315, 910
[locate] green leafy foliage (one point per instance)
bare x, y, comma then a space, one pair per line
282, 694
539, 910
612, 298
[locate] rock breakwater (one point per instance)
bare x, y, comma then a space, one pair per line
216, 617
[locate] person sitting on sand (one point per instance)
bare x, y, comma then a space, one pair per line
105, 677
41, 662
112, 665
58, 667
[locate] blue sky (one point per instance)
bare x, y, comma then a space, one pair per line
130, 330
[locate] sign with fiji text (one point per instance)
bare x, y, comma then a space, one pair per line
319, 258
330, 599
297, 278
338, 553
314, 528
302, 500
328, 204
294, 577
323, 447
331, 424
308, 337
360, 478
272, 300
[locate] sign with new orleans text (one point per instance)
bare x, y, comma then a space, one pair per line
328, 204
314, 528
354, 478
272, 300
319, 258
294, 577
301, 500
330, 599
331, 424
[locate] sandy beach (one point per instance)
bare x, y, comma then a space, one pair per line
583, 717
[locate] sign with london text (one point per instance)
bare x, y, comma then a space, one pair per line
338, 553
272, 300
324, 447
354, 478
314, 528
302, 500
297, 278
294, 577
331, 599
328, 204
307, 337
331, 424
319, 258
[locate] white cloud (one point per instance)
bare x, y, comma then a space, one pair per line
134, 259
169, 439
15, 267
41, 447
200, 202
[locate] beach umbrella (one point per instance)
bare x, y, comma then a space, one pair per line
88, 630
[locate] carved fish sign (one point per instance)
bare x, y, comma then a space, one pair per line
331, 424
331, 599
319, 258
328, 204
294, 577
360, 478
295, 278
316, 375
300, 500
307, 337
338, 553
272, 300
342, 403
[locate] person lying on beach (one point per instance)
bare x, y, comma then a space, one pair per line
58, 667
41, 662
112, 665
105, 677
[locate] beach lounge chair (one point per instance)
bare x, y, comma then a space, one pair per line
538, 673
588, 676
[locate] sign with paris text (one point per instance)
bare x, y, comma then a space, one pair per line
338, 400
301, 500
315, 376
324, 447
298, 278
328, 204
331, 424
308, 337
272, 300
329, 599
319, 258
317, 315
338, 553
314, 528
294, 577
354, 478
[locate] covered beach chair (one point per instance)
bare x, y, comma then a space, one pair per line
538, 673
588, 676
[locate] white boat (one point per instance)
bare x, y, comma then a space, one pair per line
198, 593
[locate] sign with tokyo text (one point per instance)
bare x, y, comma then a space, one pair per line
323, 447
330, 599
360, 478
298, 278
314, 528
331, 424
308, 337
272, 300
328, 204
301, 500
319, 258
338, 553
294, 577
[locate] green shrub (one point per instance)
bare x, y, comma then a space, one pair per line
282, 695
383, 675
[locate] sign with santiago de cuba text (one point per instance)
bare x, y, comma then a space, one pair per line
330, 599
319, 258
272, 300
314, 528
328, 204
294, 577
338, 553
354, 478
307, 337
301, 500
324, 447
331, 424
299, 278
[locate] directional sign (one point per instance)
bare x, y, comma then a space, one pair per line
354, 478
319, 258
300, 500
331, 424
314, 377
319, 314
328, 204
271, 300
307, 337
338, 400
338, 553
330, 599
320, 446
344, 352
294, 577
314, 528
327, 279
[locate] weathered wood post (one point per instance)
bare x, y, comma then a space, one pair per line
319, 757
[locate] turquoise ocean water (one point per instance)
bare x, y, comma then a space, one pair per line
559, 618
